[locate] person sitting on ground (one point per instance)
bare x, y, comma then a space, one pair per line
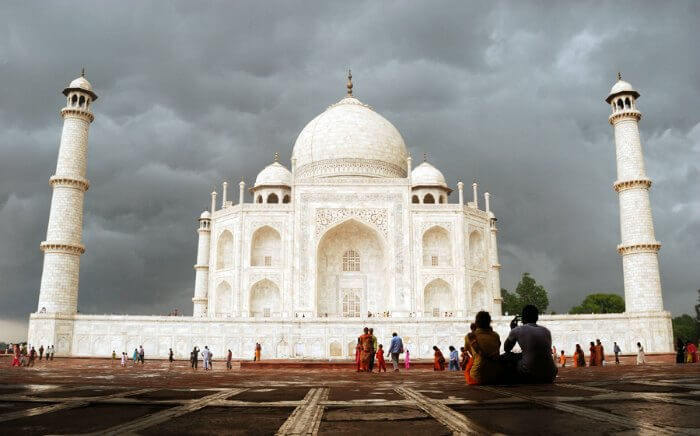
463, 358
485, 345
438, 359
534, 364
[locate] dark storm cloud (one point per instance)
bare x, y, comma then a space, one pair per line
195, 93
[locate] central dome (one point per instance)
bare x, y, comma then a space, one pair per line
349, 139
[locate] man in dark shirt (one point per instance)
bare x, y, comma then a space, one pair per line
534, 364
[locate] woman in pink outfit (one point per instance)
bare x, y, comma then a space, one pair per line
407, 360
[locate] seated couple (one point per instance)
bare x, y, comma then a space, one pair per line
533, 365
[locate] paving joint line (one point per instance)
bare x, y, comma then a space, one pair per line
458, 423
306, 418
643, 426
167, 414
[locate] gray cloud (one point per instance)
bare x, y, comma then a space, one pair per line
192, 94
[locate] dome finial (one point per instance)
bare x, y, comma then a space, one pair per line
619, 75
82, 73
277, 157
349, 85
425, 157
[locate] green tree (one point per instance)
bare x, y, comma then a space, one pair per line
527, 292
686, 328
600, 303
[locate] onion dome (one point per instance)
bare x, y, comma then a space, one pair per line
274, 174
621, 87
205, 215
80, 84
426, 174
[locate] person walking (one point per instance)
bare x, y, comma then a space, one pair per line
374, 349
592, 359
358, 354
579, 358
32, 356
680, 351
136, 355
380, 359
194, 357
562, 359
124, 357
51, 348
454, 359
15, 356
171, 356
258, 352
641, 358
229, 356
205, 357
599, 353
407, 359
616, 350
366, 342
438, 359
395, 349
41, 352
142, 354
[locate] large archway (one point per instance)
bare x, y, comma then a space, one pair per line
351, 276
437, 248
265, 300
479, 297
223, 300
437, 298
224, 250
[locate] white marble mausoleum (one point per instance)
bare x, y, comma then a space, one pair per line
352, 234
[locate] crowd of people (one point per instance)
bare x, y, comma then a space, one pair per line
368, 352
686, 352
22, 355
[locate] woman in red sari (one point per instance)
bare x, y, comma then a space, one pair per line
366, 343
439, 360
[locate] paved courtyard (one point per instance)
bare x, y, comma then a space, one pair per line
69, 396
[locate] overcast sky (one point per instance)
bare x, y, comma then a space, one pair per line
193, 93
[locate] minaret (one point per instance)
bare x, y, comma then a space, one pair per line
63, 245
201, 275
638, 246
493, 253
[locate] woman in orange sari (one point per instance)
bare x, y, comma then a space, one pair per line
439, 360
485, 345
358, 352
366, 343
592, 360
579, 360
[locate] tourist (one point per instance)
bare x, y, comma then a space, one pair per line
32, 356
407, 359
205, 357
52, 351
692, 351
229, 356
15, 356
599, 353
141, 354
555, 356
579, 358
395, 349
534, 364
485, 345
438, 359
41, 352
366, 342
374, 349
592, 358
171, 356
380, 359
123, 362
464, 358
641, 358
136, 355
616, 350
211, 360
562, 359
194, 357
258, 351
453, 364
680, 351
114, 355
470, 352
358, 355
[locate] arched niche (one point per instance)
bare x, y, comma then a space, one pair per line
224, 295
224, 250
479, 297
336, 282
415, 199
437, 298
265, 300
428, 199
266, 247
273, 198
437, 248
476, 249
286, 199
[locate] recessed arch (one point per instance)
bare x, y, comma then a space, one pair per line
272, 198
334, 286
415, 199
286, 199
437, 298
437, 248
428, 199
479, 297
476, 249
266, 247
224, 295
259, 199
224, 250
81, 101
265, 300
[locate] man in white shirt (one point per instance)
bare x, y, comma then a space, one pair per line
534, 364
205, 357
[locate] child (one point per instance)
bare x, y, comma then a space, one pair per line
123, 359
380, 359
562, 359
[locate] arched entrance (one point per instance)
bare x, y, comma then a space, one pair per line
351, 271
437, 298
265, 300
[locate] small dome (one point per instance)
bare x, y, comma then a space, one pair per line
427, 175
621, 87
205, 215
274, 174
81, 82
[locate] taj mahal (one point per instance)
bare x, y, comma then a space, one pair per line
354, 233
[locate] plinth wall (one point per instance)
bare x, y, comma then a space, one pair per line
326, 338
